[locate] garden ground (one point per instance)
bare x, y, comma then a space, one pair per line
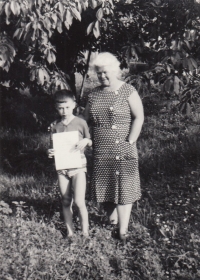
164, 238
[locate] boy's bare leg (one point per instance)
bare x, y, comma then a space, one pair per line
79, 184
65, 189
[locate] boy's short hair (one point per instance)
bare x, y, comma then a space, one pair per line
60, 96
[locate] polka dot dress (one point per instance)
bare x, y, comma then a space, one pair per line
115, 176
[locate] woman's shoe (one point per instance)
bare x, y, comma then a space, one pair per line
115, 232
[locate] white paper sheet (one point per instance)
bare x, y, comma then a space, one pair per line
66, 156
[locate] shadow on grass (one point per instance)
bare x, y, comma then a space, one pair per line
169, 162
26, 162
48, 209
16, 159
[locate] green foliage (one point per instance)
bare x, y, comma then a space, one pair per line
42, 44
4, 208
162, 37
40, 33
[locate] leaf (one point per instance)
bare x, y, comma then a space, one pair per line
15, 202
179, 46
7, 52
22, 202
187, 35
18, 33
29, 59
1, 5
176, 85
68, 19
187, 44
84, 5
32, 75
53, 57
193, 34
46, 75
47, 23
168, 85
104, 23
106, 11
168, 69
92, 3
61, 8
7, 10
89, 28
49, 58
99, 14
188, 109
39, 2
59, 26
163, 232
194, 63
96, 29
76, 14
173, 45
134, 53
190, 65
173, 59
33, 36
28, 26
55, 18
40, 76
111, 3
15, 8
79, 6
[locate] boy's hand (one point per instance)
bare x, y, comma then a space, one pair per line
50, 153
82, 144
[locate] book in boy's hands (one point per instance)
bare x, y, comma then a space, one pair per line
66, 156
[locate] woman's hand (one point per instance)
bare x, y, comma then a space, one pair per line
50, 153
83, 143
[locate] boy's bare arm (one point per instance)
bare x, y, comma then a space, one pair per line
83, 143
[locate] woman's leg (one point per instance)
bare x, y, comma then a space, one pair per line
79, 185
124, 212
65, 189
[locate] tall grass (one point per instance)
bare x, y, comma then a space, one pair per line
164, 228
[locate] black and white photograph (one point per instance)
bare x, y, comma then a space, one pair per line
100, 139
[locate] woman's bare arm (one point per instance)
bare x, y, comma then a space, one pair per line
138, 114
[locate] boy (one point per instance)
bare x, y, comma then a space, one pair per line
76, 177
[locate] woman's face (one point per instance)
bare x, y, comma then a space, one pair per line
106, 75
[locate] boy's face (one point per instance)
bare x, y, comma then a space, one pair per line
65, 109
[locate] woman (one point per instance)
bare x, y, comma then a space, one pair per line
116, 114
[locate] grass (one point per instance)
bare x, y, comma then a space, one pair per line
164, 226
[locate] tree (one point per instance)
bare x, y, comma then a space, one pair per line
44, 40
165, 35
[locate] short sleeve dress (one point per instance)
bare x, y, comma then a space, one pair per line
115, 176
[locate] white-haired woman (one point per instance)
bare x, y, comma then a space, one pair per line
116, 114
